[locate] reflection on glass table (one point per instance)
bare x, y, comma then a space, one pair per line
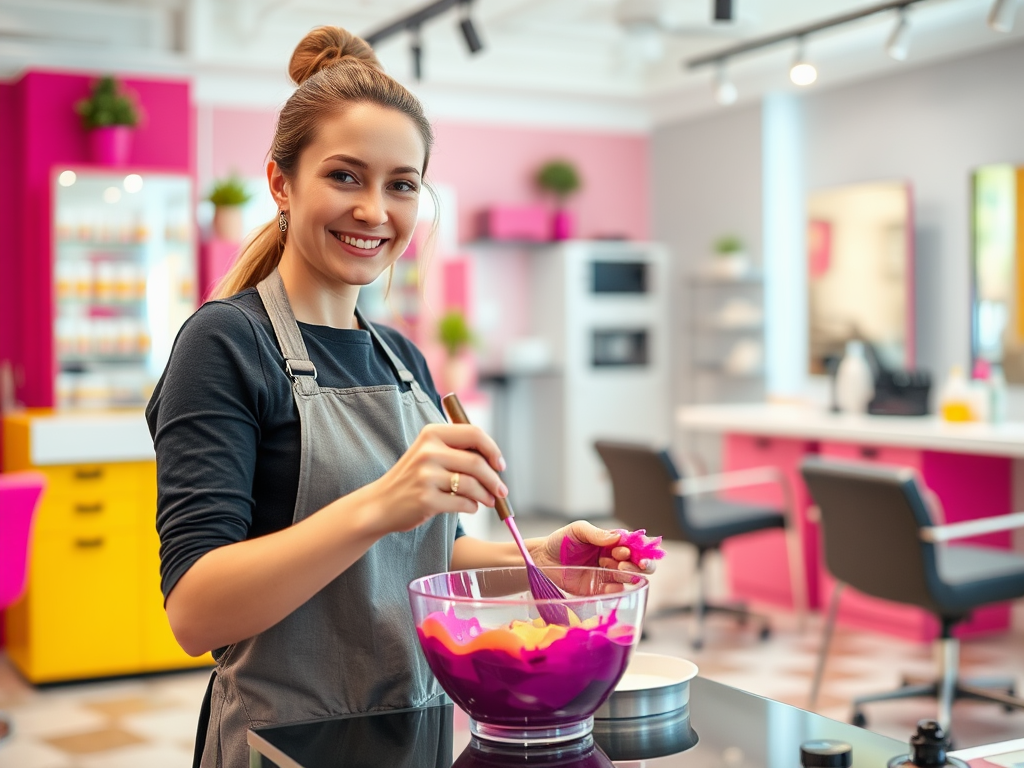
124, 274
723, 727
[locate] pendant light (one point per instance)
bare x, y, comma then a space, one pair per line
802, 72
725, 89
898, 44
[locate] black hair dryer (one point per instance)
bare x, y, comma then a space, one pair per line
928, 747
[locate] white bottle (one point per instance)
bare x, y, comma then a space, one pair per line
855, 384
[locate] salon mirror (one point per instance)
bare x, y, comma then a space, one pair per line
860, 258
998, 268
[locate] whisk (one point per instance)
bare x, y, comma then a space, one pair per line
541, 587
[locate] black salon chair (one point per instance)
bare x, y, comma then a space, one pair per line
879, 539
649, 493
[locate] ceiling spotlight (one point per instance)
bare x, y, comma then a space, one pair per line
725, 89
469, 33
1000, 17
898, 44
416, 49
802, 72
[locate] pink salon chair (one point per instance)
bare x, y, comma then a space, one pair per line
19, 497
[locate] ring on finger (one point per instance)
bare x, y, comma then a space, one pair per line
453, 483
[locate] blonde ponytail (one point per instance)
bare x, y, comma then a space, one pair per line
260, 255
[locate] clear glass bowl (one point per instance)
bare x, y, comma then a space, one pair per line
520, 680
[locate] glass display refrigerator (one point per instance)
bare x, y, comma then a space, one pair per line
124, 275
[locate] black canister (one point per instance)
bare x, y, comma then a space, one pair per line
928, 747
826, 753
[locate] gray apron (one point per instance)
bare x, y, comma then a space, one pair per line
352, 647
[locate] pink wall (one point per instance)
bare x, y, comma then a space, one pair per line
240, 142
486, 164
492, 164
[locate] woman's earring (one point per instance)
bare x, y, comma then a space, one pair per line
282, 222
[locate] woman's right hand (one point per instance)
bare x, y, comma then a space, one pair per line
419, 485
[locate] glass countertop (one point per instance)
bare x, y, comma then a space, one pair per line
723, 728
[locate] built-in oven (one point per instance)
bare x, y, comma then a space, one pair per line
618, 277
619, 347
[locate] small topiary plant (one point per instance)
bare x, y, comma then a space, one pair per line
560, 178
229, 191
108, 104
728, 245
454, 332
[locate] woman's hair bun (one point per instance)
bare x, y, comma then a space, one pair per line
325, 46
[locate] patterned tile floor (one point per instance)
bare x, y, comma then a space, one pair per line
150, 721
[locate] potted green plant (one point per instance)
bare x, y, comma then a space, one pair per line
730, 257
456, 337
110, 115
560, 178
228, 195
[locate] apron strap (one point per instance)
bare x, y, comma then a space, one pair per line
275, 299
396, 362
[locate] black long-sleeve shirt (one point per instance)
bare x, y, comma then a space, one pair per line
226, 429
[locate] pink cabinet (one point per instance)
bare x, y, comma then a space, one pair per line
968, 486
758, 563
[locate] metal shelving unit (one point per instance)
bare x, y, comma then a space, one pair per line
725, 334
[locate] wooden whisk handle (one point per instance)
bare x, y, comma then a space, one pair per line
457, 415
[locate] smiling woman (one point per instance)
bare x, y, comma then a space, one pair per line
304, 468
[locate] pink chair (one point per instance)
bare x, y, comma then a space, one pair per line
19, 497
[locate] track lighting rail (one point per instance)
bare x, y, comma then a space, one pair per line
794, 34
411, 20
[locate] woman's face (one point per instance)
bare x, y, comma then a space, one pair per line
352, 204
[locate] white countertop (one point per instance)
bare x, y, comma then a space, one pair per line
815, 423
89, 438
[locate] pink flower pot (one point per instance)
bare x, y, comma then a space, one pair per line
111, 144
562, 225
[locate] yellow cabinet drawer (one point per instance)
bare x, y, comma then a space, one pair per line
62, 514
106, 493
80, 617
89, 481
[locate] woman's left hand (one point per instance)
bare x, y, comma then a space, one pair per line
581, 543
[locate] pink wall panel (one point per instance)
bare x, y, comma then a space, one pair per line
9, 158
492, 164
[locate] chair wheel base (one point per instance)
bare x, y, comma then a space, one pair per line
859, 720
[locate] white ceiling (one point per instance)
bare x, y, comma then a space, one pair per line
571, 62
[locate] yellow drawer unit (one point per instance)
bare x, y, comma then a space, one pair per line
81, 494
93, 607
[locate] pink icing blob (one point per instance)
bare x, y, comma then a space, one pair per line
545, 687
576, 553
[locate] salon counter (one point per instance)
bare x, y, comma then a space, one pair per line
816, 423
972, 468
